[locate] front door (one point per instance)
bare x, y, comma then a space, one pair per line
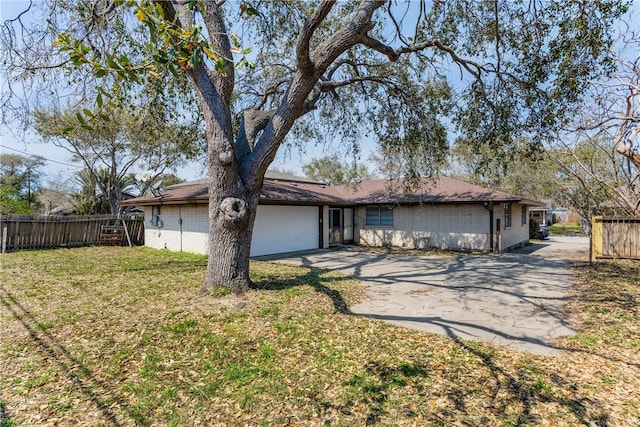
335, 226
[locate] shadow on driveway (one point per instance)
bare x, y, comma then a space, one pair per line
516, 299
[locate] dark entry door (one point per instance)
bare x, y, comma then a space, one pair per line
335, 226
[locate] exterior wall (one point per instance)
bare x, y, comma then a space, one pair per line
456, 227
289, 228
166, 234
277, 229
325, 227
518, 234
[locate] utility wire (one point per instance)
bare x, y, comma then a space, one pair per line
40, 157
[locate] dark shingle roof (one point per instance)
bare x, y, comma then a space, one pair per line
437, 190
275, 191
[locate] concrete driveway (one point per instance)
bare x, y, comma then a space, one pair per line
515, 299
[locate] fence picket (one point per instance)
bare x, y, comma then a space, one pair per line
39, 232
616, 237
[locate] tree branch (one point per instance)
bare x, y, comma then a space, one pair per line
304, 40
472, 67
328, 86
218, 36
297, 100
252, 123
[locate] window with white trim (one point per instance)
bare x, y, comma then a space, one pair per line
523, 214
379, 216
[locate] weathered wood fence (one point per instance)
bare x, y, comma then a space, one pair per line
39, 231
615, 237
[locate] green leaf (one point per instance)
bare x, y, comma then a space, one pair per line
211, 54
195, 59
220, 63
105, 117
87, 127
80, 118
99, 100
100, 73
235, 41
113, 64
124, 60
159, 10
87, 112
77, 59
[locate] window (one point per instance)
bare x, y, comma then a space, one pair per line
523, 214
155, 215
379, 216
507, 215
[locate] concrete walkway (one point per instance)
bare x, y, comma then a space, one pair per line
514, 299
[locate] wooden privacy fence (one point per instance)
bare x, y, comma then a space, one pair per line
615, 237
40, 231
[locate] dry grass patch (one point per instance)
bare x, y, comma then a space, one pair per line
122, 336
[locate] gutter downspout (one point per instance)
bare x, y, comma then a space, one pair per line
180, 222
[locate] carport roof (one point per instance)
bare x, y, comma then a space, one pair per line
371, 192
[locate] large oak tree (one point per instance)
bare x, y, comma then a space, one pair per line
401, 72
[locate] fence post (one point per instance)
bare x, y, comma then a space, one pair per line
596, 237
5, 231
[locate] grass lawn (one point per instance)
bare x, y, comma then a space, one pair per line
573, 229
122, 336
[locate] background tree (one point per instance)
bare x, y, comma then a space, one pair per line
112, 146
599, 152
97, 191
359, 68
20, 179
332, 171
527, 172
595, 178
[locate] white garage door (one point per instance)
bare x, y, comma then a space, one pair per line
281, 229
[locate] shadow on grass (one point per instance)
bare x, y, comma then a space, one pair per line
388, 377
528, 392
378, 380
625, 298
314, 278
5, 418
81, 377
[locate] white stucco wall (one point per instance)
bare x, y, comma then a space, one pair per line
277, 229
167, 235
290, 228
325, 227
518, 233
459, 227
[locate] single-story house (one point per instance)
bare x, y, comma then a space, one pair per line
300, 214
550, 214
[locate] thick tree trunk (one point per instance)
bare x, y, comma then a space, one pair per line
230, 229
236, 167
